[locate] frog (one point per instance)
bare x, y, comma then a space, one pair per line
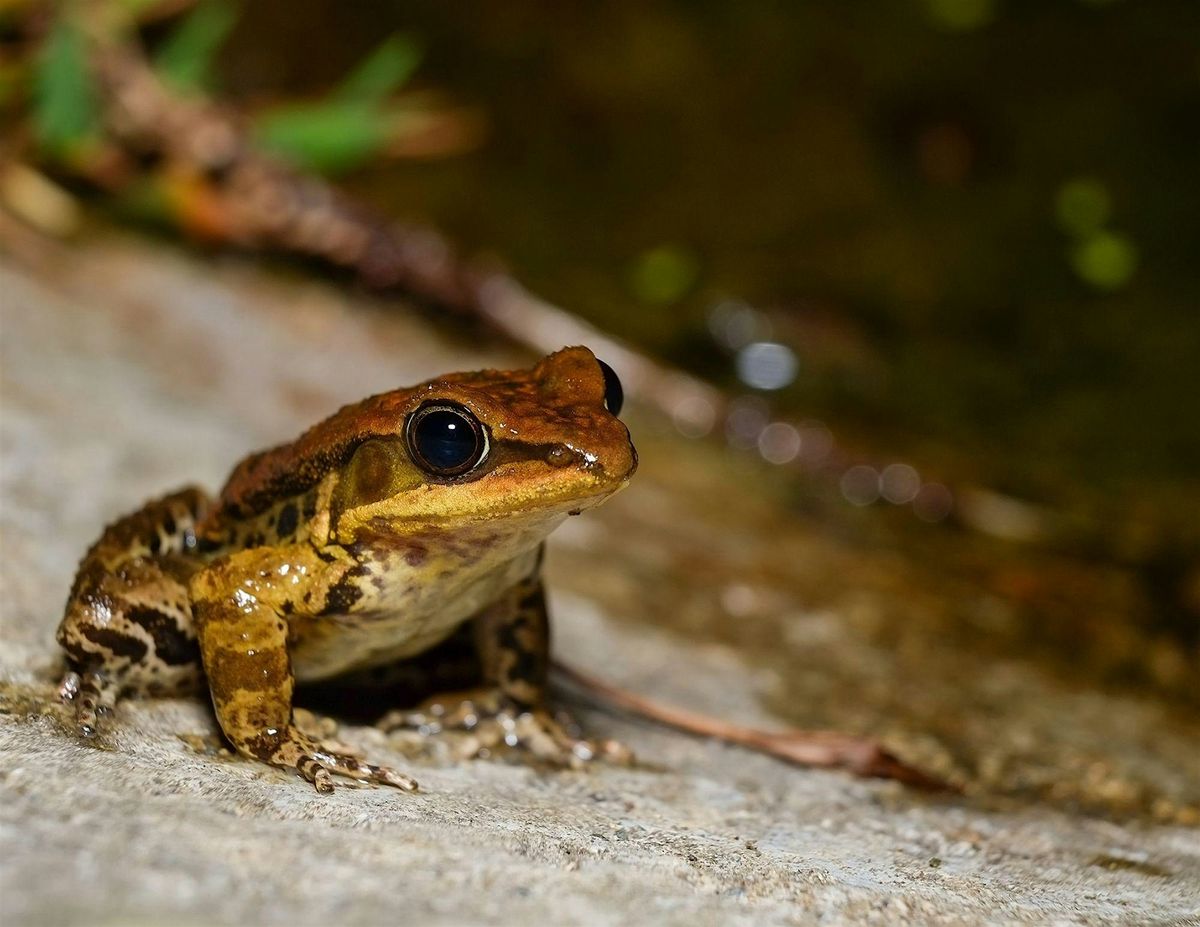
399, 524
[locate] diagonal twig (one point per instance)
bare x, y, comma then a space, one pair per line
862, 756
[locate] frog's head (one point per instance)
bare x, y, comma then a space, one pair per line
520, 444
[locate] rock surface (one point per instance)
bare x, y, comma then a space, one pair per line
129, 369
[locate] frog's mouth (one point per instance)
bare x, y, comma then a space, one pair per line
527, 491
530, 487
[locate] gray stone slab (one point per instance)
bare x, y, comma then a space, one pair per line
128, 369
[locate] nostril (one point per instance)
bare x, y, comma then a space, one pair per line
559, 457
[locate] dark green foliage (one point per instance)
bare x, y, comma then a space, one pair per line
352, 125
384, 72
64, 100
186, 58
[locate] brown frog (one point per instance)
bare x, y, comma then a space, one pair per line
409, 518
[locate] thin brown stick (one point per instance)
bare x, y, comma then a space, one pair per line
862, 756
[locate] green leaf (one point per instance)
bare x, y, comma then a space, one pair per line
351, 126
186, 58
383, 72
64, 106
327, 137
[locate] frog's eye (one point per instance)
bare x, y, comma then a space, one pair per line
614, 396
445, 439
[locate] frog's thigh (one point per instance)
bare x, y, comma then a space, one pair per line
513, 640
243, 643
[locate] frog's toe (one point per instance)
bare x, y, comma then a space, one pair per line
328, 764
318, 764
548, 738
490, 724
450, 712
312, 770
93, 696
384, 775
543, 737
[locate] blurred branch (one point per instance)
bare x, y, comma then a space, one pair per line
220, 186
862, 756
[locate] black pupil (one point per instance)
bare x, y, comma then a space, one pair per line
446, 440
614, 396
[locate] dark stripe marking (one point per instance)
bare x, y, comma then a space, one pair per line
172, 644
289, 519
120, 645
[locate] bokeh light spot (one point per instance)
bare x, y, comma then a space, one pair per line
779, 443
740, 600
860, 485
746, 419
816, 443
694, 417
1106, 260
961, 15
664, 274
735, 324
767, 365
899, 483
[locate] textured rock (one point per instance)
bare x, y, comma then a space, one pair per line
129, 369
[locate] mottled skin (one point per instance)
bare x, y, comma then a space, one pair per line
340, 552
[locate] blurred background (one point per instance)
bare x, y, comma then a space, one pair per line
928, 265
973, 222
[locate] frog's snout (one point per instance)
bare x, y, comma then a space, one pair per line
616, 464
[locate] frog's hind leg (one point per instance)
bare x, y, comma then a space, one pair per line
512, 640
128, 626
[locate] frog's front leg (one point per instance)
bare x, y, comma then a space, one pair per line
239, 603
512, 638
